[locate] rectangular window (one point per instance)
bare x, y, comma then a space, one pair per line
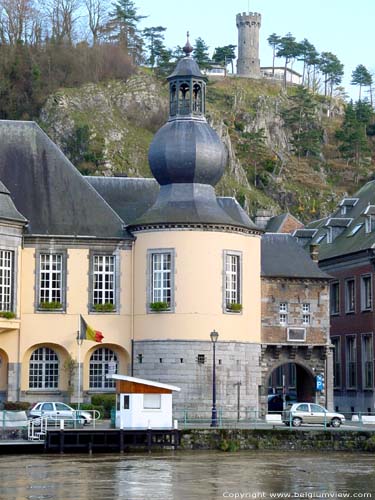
103, 289
296, 334
161, 278
336, 362
50, 278
366, 293
305, 314
152, 401
6, 280
201, 359
335, 298
232, 279
368, 361
350, 295
351, 362
283, 313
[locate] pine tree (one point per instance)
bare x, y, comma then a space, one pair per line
155, 46
274, 41
362, 77
200, 54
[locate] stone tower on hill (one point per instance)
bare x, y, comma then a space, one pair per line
248, 63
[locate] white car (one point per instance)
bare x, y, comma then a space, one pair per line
311, 413
59, 411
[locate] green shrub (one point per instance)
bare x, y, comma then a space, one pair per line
107, 401
234, 307
50, 305
103, 307
159, 306
230, 445
7, 314
16, 405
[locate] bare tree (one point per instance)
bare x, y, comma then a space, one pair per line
97, 11
16, 20
63, 16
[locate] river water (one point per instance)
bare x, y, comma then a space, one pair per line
188, 476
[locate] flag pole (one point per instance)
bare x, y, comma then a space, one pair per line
79, 343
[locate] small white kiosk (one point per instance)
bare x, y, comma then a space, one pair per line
143, 403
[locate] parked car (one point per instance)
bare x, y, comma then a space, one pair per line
59, 411
311, 413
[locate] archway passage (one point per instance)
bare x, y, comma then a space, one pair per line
287, 384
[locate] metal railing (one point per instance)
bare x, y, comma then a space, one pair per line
252, 419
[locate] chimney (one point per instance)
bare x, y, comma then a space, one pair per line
314, 252
262, 217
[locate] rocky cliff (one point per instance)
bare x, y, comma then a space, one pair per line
106, 129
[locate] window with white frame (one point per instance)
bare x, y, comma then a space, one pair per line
6, 280
232, 279
151, 401
50, 278
350, 295
283, 313
368, 361
161, 278
336, 361
102, 362
306, 318
366, 293
351, 362
103, 288
44, 369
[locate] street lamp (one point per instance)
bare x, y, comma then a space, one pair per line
214, 336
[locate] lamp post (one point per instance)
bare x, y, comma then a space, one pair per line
214, 336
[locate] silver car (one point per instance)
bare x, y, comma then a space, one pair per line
55, 410
311, 413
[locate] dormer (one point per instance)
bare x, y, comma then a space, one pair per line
369, 214
304, 236
347, 204
335, 226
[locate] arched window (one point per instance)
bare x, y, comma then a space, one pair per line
102, 362
184, 98
197, 98
44, 369
173, 99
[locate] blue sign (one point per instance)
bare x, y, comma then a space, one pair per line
319, 382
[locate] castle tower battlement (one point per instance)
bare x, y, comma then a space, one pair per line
248, 25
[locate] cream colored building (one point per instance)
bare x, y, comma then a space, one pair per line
154, 265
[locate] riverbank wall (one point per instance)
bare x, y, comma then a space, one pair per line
277, 440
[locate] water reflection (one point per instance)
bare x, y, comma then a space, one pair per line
184, 476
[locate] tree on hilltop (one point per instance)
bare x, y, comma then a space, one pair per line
200, 53
332, 69
362, 77
225, 55
155, 37
289, 49
274, 41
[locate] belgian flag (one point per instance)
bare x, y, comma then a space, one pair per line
86, 332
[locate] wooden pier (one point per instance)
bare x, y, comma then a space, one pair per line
110, 440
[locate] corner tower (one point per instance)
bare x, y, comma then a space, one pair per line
196, 258
248, 63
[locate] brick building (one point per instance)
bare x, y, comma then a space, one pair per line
346, 251
295, 322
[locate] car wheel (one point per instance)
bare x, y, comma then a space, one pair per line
296, 422
336, 422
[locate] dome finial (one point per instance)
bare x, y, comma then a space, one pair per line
188, 49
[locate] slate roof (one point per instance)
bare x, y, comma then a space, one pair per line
276, 223
48, 190
131, 197
282, 257
346, 242
8, 210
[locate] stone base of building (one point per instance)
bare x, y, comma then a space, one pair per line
189, 365
349, 402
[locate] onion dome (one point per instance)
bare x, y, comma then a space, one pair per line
186, 156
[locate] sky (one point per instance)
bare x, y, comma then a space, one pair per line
342, 27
